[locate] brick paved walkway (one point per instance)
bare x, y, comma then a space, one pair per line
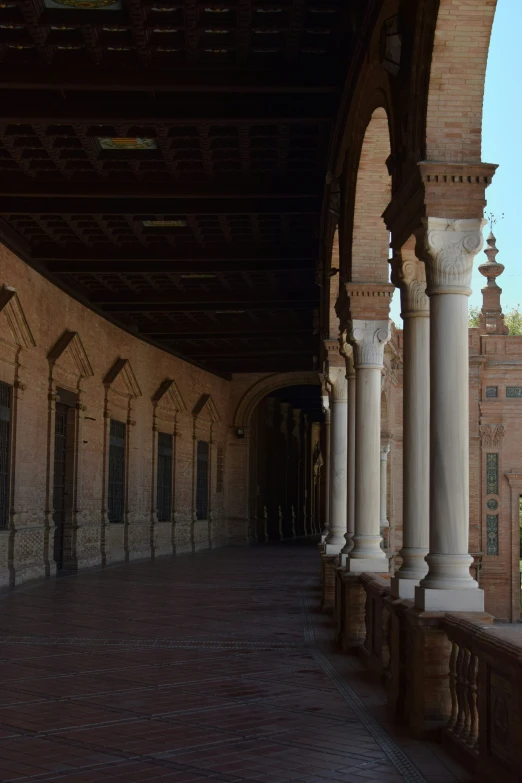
208, 667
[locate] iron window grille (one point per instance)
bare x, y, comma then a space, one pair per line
202, 480
116, 498
164, 490
5, 452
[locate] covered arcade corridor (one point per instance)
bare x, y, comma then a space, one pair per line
145, 672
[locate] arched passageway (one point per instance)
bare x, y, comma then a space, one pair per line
286, 464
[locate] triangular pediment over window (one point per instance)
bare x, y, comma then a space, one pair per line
15, 316
169, 396
206, 408
121, 378
70, 354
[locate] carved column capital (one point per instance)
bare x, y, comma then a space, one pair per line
448, 248
368, 339
338, 384
385, 450
346, 351
409, 275
491, 434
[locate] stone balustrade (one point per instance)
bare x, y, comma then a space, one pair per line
485, 682
462, 681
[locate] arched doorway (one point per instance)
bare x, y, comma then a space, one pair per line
286, 459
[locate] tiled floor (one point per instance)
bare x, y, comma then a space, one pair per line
216, 666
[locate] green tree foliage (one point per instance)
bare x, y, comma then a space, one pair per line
512, 319
473, 315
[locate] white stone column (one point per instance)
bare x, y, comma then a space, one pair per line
385, 450
409, 274
368, 339
448, 248
327, 440
347, 352
338, 456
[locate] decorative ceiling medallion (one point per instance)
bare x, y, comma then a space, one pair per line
164, 223
86, 5
108, 143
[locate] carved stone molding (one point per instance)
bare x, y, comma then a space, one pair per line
491, 434
448, 248
338, 384
368, 339
16, 320
409, 275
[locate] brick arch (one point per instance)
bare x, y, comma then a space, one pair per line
332, 290
265, 386
373, 188
457, 77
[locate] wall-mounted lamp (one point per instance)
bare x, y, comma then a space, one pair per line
240, 433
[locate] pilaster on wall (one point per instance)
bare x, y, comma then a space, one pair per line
69, 366
205, 417
23, 543
121, 388
167, 404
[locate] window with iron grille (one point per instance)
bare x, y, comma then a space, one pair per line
5, 451
202, 480
220, 464
164, 492
116, 471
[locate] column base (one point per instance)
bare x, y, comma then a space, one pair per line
361, 565
430, 600
332, 549
343, 559
404, 588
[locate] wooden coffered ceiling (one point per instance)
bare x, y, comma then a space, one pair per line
205, 240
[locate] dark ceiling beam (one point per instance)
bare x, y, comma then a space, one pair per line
272, 187
285, 352
39, 205
144, 305
176, 267
210, 333
50, 107
227, 300
216, 80
185, 253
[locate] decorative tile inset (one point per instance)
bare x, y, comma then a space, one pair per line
513, 391
492, 503
492, 534
491, 391
116, 143
491, 474
86, 5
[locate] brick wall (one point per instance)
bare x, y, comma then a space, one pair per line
26, 546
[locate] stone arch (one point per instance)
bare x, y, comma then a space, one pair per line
266, 385
370, 236
459, 58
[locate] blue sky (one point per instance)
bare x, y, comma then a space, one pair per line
502, 144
